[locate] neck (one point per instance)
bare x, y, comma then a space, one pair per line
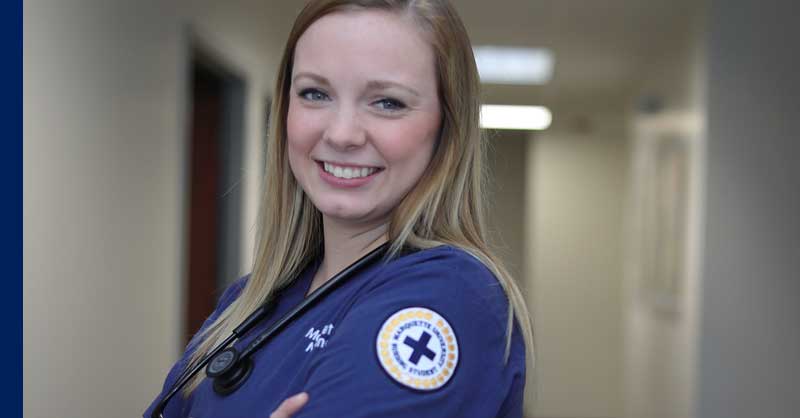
344, 244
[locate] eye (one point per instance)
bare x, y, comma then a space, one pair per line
390, 104
313, 95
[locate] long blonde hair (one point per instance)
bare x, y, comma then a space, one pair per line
444, 208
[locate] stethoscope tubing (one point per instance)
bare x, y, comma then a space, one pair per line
261, 313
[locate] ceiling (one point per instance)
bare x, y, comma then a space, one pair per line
601, 47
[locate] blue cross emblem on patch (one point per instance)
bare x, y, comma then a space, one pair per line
418, 348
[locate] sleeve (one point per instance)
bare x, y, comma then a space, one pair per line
429, 341
228, 296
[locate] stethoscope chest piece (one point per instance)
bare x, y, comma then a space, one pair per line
229, 371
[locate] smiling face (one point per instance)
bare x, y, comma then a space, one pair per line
364, 113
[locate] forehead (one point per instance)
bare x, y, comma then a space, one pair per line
366, 43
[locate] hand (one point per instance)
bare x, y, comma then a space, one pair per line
290, 406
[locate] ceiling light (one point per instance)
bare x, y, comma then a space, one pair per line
510, 65
531, 118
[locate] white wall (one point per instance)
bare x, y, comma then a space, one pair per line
104, 197
576, 188
749, 345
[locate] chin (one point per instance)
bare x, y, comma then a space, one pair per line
343, 210
349, 214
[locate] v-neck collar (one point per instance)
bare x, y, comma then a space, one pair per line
299, 289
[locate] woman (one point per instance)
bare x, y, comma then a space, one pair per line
375, 141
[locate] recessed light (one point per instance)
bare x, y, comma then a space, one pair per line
531, 118
513, 65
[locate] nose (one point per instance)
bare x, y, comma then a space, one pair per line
345, 130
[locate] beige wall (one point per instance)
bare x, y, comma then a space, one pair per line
576, 188
104, 174
506, 188
557, 201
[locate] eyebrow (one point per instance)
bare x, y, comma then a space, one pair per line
385, 84
372, 84
318, 78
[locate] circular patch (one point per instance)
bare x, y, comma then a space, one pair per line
418, 348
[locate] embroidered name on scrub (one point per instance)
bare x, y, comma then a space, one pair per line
318, 337
418, 348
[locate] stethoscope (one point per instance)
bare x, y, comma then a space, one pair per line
230, 367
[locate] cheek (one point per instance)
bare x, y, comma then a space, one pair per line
300, 133
299, 141
411, 144
294, 126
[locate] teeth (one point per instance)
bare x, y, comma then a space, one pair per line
348, 172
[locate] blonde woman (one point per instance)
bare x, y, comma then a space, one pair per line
375, 144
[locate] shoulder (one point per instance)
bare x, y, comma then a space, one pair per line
228, 296
445, 263
444, 276
232, 292
429, 320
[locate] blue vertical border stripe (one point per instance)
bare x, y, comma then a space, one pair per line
11, 166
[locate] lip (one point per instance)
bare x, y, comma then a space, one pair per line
346, 183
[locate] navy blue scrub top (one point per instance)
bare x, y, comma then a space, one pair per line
420, 336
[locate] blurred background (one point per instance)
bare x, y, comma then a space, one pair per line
653, 222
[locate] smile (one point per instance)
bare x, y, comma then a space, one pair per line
348, 172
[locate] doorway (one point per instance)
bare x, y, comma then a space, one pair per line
215, 193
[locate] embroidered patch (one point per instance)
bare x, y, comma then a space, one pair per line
418, 348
